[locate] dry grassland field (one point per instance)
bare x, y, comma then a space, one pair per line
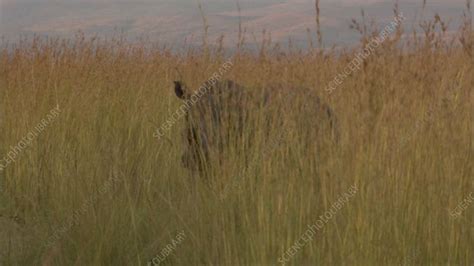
127, 151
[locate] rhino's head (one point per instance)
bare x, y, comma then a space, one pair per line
213, 114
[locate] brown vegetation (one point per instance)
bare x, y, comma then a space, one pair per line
406, 143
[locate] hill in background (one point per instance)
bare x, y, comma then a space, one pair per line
174, 22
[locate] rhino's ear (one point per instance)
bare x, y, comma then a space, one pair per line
180, 90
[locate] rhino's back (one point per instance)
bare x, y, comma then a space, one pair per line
303, 109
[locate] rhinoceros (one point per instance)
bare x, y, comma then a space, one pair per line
226, 114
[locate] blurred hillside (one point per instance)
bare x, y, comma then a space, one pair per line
178, 21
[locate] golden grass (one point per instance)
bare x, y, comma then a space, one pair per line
115, 195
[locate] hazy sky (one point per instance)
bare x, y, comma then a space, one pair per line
174, 21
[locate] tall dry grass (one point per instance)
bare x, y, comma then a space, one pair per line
101, 190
